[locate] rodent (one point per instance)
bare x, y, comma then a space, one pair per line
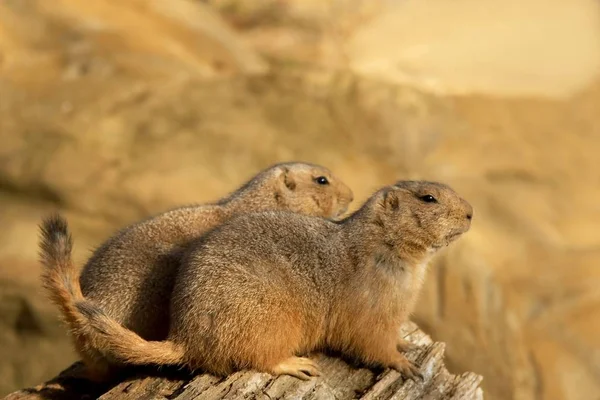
131, 274
264, 289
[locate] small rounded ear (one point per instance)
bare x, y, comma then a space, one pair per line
391, 200
288, 179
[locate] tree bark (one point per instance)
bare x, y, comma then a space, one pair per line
339, 381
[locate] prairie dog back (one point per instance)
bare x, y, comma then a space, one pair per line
265, 288
131, 275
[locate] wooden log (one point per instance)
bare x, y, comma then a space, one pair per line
339, 381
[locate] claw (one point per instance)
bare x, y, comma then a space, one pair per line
300, 375
408, 369
300, 367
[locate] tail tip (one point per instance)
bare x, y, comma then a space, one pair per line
56, 242
55, 225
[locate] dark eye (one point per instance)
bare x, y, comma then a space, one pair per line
428, 198
321, 180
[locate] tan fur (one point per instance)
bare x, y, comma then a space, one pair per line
130, 277
265, 288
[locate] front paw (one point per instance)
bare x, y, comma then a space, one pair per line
407, 368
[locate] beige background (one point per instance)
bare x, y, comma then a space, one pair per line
111, 111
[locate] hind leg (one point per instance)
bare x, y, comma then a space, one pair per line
277, 356
98, 370
273, 351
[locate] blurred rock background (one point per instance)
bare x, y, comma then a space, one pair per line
114, 110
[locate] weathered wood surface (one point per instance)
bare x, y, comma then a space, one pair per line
339, 381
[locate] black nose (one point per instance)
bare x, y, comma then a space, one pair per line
469, 216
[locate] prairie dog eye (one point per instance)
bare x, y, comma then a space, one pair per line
321, 180
428, 198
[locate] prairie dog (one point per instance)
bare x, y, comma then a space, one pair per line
263, 289
131, 275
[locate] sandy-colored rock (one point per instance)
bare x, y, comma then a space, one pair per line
516, 300
511, 48
68, 39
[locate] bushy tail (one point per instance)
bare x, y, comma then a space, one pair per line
59, 277
95, 334
124, 345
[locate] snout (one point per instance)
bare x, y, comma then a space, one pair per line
341, 212
468, 213
345, 197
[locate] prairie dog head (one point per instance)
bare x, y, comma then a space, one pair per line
421, 214
310, 189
